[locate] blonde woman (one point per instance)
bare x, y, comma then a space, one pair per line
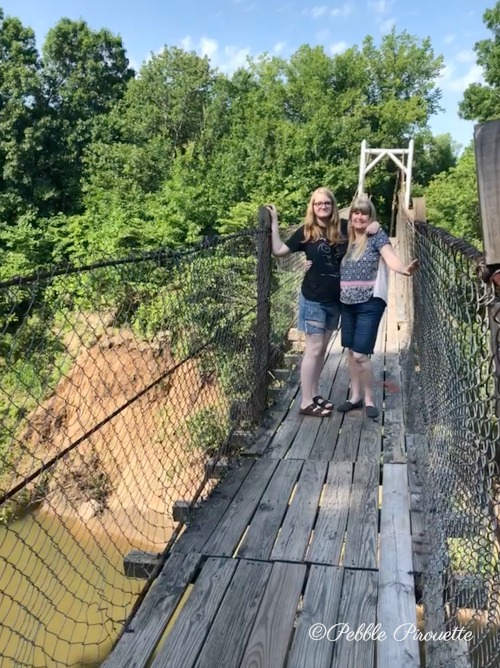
363, 295
323, 238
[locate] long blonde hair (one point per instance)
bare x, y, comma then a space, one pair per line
366, 206
312, 230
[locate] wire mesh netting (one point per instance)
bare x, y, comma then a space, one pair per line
118, 382
455, 409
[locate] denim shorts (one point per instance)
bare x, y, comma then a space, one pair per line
360, 325
317, 318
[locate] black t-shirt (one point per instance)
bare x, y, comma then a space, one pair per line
322, 282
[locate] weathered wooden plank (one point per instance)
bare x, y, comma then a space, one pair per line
348, 440
293, 539
392, 340
228, 637
331, 524
486, 141
401, 309
441, 652
396, 592
138, 642
281, 375
182, 645
370, 440
455, 653
265, 434
270, 638
327, 436
140, 564
358, 604
414, 442
290, 390
283, 439
419, 209
392, 382
394, 437
326, 440
419, 541
393, 442
208, 516
320, 605
306, 436
230, 529
263, 529
362, 527
416, 502
378, 360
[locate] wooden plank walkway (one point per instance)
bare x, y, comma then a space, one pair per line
310, 532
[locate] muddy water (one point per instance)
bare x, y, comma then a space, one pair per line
63, 597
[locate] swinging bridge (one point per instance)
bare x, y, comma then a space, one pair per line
192, 518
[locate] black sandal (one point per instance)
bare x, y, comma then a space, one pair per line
315, 411
324, 403
349, 406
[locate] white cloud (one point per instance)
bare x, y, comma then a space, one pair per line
278, 48
316, 12
343, 10
208, 47
465, 56
134, 64
338, 47
450, 80
231, 58
380, 6
387, 26
448, 39
226, 59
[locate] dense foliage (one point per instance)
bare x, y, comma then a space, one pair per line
97, 160
452, 197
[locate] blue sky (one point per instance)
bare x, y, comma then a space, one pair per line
230, 30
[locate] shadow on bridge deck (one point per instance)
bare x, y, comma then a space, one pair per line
312, 527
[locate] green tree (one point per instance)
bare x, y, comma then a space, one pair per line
452, 201
481, 102
85, 73
142, 180
20, 120
433, 155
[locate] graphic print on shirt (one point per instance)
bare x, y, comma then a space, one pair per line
321, 282
327, 265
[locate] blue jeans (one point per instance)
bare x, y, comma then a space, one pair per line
360, 325
317, 318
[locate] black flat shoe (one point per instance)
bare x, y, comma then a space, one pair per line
371, 412
349, 406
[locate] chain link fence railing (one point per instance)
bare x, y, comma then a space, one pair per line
452, 403
118, 382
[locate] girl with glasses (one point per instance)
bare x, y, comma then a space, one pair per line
323, 238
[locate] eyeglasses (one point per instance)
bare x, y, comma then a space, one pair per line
323, 205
